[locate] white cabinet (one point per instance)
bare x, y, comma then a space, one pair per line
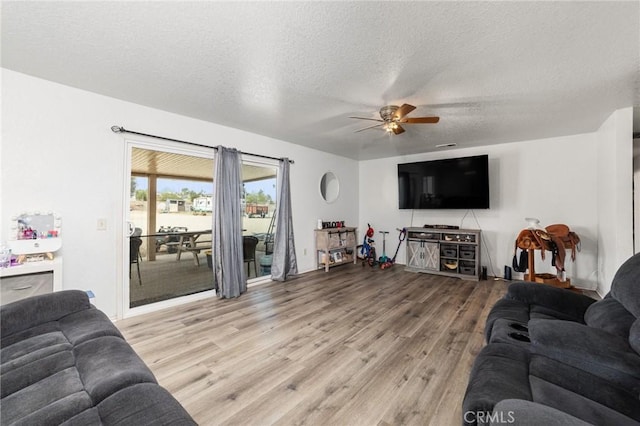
335, 246
30, 279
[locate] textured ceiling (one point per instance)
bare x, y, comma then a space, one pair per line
493, 71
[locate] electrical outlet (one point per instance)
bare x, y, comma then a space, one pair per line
102, 224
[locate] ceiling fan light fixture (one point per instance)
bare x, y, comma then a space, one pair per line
391, 126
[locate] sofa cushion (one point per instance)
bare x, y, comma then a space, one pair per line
32, 348
39, 310
518, 412
576, 405
21, 377
86, 325
634, 336
505, 371
144, 404
60, 394
609, 315
525, 301
625, 287
550, 301
586, 384
107, 365
589, 349
133, 405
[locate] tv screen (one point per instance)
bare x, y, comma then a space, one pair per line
454, 183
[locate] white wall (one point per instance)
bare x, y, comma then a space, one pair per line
615, 201
58, 153
554, 180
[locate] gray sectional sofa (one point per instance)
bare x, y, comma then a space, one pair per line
555, 357
64, 362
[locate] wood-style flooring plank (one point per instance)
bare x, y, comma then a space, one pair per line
355, 346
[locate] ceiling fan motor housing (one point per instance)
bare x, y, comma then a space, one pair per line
387, 113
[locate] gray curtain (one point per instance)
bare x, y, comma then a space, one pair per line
284, 264
228, 266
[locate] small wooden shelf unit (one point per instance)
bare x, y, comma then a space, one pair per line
335, 246
449, 252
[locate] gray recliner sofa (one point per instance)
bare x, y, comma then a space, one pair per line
552, 350
62, 361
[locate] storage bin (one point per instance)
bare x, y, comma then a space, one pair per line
448, 251
467, 270
467, 254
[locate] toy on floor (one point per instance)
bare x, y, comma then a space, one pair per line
368, 251
384, 259
401, 237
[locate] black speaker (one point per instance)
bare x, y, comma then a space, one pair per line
507, 273
483, 273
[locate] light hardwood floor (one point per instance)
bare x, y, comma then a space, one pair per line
355, 346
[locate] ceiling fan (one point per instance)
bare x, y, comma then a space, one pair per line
392, 116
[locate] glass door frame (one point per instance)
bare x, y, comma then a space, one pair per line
123, 295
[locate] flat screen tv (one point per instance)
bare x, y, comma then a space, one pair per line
453, 183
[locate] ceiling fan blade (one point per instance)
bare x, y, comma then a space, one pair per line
397, 130
417, 120
370, 127
364, 118
403, 110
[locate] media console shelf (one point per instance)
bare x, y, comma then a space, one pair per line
449, 252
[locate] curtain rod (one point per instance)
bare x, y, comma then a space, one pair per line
119, 129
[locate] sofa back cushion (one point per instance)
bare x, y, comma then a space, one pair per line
27, 313
609, 315
625, 287
634, 336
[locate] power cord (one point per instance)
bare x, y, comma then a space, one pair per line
484, 242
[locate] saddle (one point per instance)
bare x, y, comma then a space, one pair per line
555, 238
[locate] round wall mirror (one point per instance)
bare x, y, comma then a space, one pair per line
329, 187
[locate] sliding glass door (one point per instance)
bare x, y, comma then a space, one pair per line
258, 221
169, 212
168, 205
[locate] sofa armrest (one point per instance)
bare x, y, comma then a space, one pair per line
572, 304
500, 371
589, 349
26, 313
